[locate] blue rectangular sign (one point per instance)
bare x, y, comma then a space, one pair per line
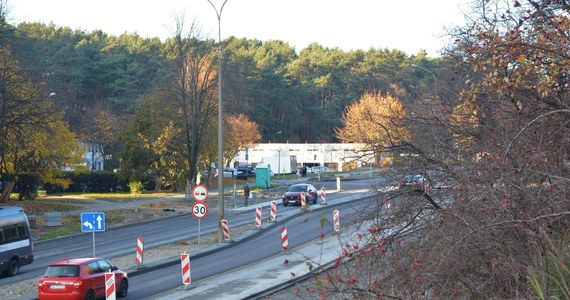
91, 222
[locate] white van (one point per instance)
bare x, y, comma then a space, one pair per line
16, 247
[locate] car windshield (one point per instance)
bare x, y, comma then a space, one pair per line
62, 271
418, 178
298, 188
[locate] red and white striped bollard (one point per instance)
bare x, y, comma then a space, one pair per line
110, 286
258, 216
226, 230
303, 199
284, 238
323, 196
273, 211
139, 255
185, 264
336, 220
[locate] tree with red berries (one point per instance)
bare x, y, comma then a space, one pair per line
495, 150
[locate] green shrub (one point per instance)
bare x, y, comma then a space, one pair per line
136, 187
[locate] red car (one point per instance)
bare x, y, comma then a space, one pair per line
80, 278
293, 195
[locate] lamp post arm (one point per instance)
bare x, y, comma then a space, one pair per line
420, 67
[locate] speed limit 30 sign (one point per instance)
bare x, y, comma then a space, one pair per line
200, 210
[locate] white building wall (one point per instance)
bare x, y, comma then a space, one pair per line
92, 157
311, 154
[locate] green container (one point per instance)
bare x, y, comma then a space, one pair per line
263, 176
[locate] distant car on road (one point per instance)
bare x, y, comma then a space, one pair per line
293, 195
245, 171
319, 169
230, 172
415, 182
81, 279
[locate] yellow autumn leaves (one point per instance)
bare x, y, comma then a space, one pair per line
375, 119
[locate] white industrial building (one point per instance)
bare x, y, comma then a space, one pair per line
335, 156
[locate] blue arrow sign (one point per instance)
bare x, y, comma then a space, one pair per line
91, 222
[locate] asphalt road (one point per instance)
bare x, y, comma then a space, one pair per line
121, 241
303, 228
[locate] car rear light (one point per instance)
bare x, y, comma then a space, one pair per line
40, 283
78, 284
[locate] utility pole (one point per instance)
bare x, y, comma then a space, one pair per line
220, 127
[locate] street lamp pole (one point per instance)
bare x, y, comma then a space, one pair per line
273, 135
279, 161
420, 67
220, 127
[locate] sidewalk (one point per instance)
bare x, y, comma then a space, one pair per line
103, 206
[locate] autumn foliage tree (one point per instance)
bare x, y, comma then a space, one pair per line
240, 132
33, 138
496, 155
193, 92
376, 120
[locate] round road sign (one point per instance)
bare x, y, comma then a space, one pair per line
200, 210
200, 193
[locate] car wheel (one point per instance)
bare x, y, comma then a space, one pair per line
90, 295
315, 199
13, 268
123, 289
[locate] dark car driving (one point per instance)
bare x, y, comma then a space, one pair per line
414, 182
293, 195
245, 171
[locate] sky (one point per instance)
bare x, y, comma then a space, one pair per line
407, 25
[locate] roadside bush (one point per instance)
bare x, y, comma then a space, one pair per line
89, 182
136, 187
27, 185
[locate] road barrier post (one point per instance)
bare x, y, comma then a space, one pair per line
336, 220
323, 196
139, 255
258, 217
226, 229
110, 286
273, 211
185, 263
284, 239
303, 199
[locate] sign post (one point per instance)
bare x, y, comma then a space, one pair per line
92, 222
200, 211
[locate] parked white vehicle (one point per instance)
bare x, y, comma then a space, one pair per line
319, 169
